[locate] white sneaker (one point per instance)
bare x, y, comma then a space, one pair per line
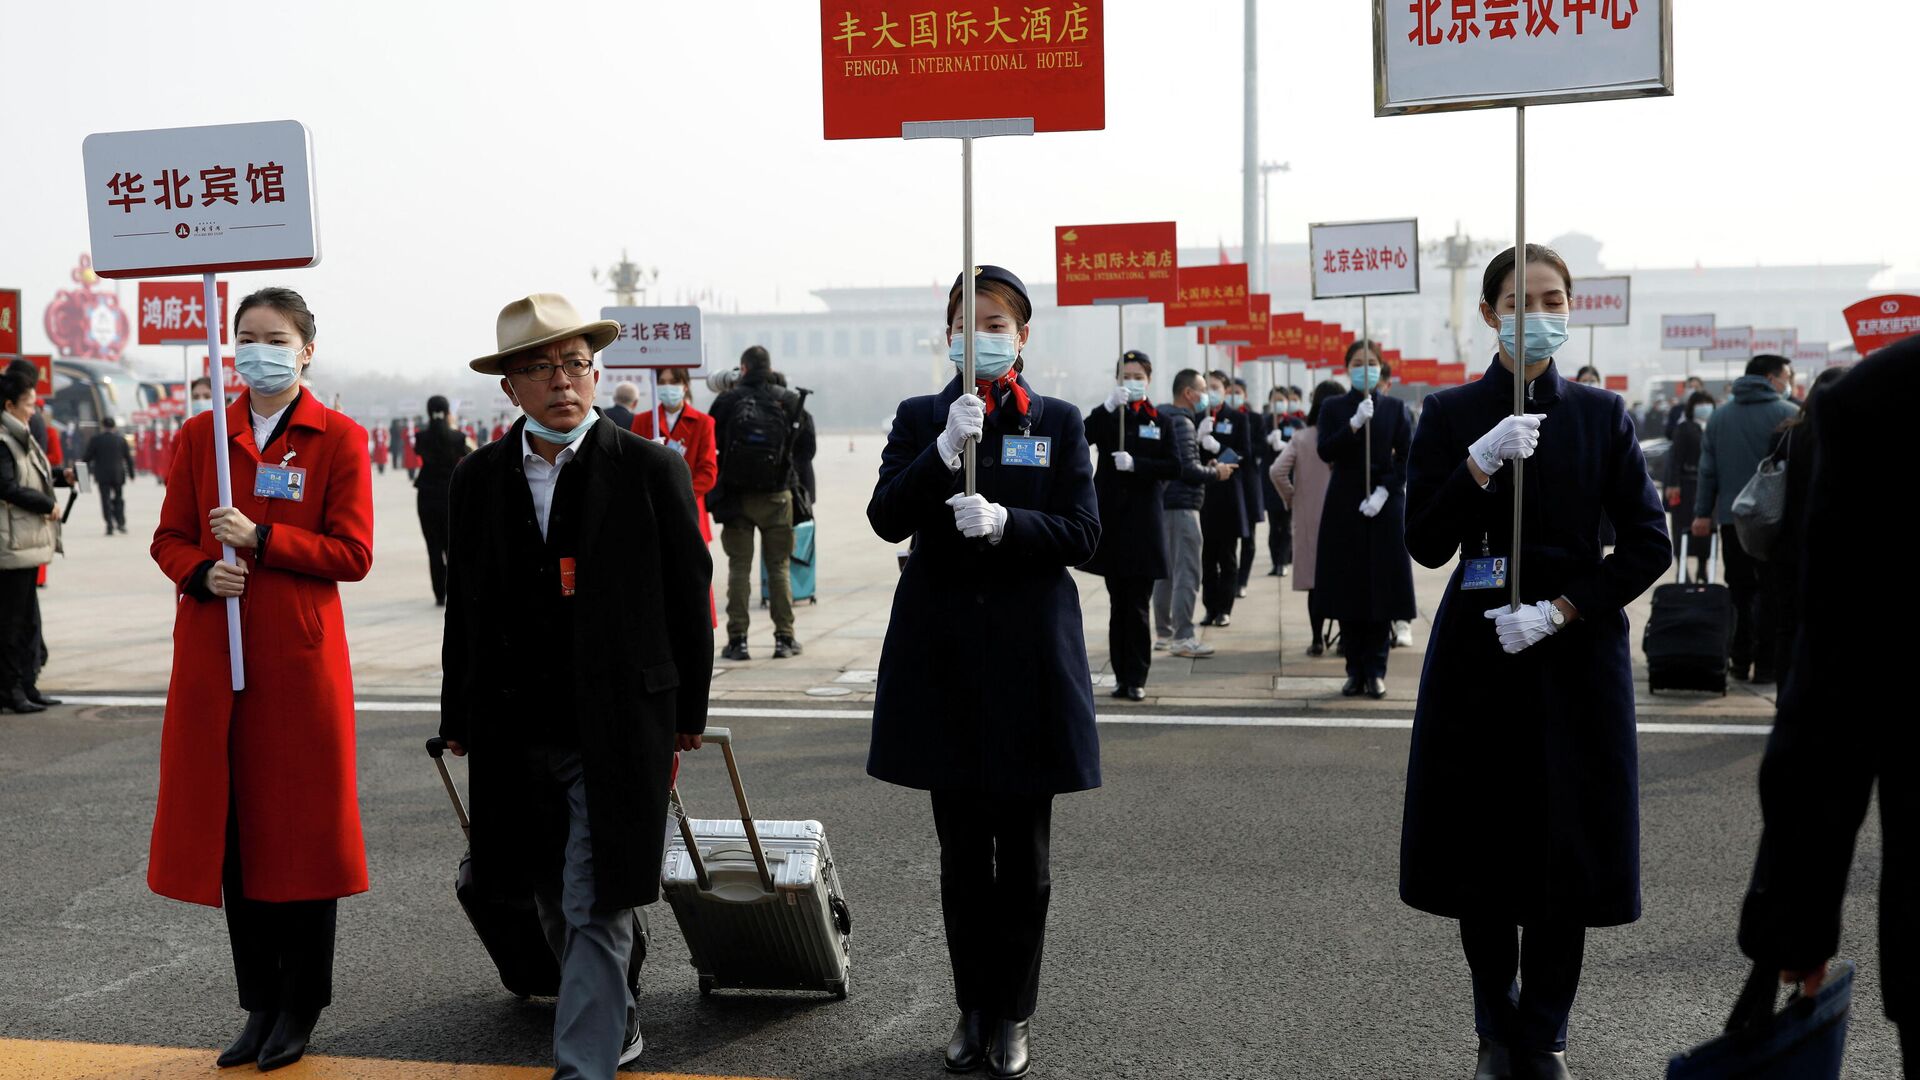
1192, 647
635, 1043
1162, 644
1403, 633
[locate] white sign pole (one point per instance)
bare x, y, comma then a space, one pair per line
1120, 442
1519, 335
1366, 350
967, 291
222, 471
659, 411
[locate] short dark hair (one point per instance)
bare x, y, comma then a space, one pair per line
1697, 399
1502, 265
1140, 358
285, 301
24, 366
756, 358
107, 422
1185, 381
1224, 378
1586, 370
14, 386
200, 382
1768, 365
1358, 344
1323, 393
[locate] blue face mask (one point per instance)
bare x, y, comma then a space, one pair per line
672, 395
1136, 389
1545, 334
1364, 376
266, 369
993, 354
1203, 404
1236, 400
562, 438
1701, 413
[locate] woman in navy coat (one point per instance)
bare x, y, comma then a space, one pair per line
983, 696
1225, 517
1133, 545
1364, 578
1522, 785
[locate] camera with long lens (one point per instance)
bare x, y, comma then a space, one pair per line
723, 380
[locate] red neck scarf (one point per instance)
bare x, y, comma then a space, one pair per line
1145, 406
1005, 383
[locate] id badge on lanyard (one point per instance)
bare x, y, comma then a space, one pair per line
1486, 572
280, 481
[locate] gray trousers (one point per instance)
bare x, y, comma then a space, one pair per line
1175, 594
590, 1017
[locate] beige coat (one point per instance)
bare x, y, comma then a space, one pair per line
27, 539
1301, 480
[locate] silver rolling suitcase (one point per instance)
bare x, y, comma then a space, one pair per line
759, 903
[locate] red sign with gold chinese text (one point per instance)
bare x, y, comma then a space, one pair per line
1134, 263
1416, 371
884, 65
9, 322
1452, 375
43, 385
1248, 330
1617, 383
1879, 322
174, 313
1209, 294
1285, 331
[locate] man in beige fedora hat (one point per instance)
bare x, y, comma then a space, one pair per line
574, 564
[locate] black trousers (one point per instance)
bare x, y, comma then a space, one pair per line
113, 506
1219, 568
19, 629
1317, 617
1247, 548
282, 952
1747, 580
1523, 986
1130, 628
1280, 536
994, 889
1366, 644
433, 524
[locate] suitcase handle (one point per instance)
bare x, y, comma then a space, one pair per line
1713, 558
724, 738
436, 748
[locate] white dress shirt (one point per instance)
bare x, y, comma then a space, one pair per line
541, 477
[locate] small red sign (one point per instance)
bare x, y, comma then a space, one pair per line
1417, 371
232, 382
9, 322
1214, 293
883, 65
44, 365
175, 313
1617, 382
1452, 375
1882, 320
1115, 262
1250, 329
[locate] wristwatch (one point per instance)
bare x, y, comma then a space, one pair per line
1555, 616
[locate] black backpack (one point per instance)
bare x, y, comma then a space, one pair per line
758, 455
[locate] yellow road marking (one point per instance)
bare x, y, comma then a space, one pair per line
25, 1059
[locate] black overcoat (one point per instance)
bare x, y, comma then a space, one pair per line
1225, 510
1522, 783
983, 678
1363, 573
107, 455
1133, 540
1253, 473
640, 658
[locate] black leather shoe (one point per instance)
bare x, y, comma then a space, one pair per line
1494, 1063
34, 695
736, 650
17, 702
288, 1042
1318, 648
968, 1048
1353, 688
1223, 620
1540, 1065
1007, 1058
785, 645
1136, 693
246, 1049
1376, 688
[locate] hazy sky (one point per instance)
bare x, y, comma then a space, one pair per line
469, 153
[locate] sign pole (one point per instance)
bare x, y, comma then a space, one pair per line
1120, 426
1590, 333
659, 411
222, 471
1519, 333
1366, 350
967, 290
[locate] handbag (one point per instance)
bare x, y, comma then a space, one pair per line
1806, 1040
1761, 506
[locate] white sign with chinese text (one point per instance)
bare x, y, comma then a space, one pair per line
1775, 342
1730, 343
1439, 55
655, 337
195, 200
1686, 331
1364, 258
1600, 301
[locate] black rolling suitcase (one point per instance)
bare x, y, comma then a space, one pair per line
1688, 632
511, 932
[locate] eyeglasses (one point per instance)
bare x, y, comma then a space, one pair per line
576, 368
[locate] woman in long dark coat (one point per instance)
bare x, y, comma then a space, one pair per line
1364, 578
983, 697
1133, 546
1522, 785
1683, 477
1226, 517
440, 446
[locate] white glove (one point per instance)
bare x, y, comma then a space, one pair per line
1123, 461
1513, 437
974, 516
1532, 624
1116, 399
1210, 444
966, 418
1277, 439
1374, 503
1362, 414
1206, 426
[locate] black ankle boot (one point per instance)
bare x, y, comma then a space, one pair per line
34, 695
1007, 1058
1540, 1065
968, 1047
288, 1042
1494, 1063
16, 701
246, 1049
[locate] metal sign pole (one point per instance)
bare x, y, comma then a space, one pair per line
1590, 333
1120, 425
222, 471
967, 290
659, 411
1366, 350
1519, 334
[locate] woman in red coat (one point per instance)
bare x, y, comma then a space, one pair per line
257, 803
689, 431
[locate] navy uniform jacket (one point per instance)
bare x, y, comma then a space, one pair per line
983, 679
1133, 541
1226, 507
1363, 573
1523, 783
1252, 473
